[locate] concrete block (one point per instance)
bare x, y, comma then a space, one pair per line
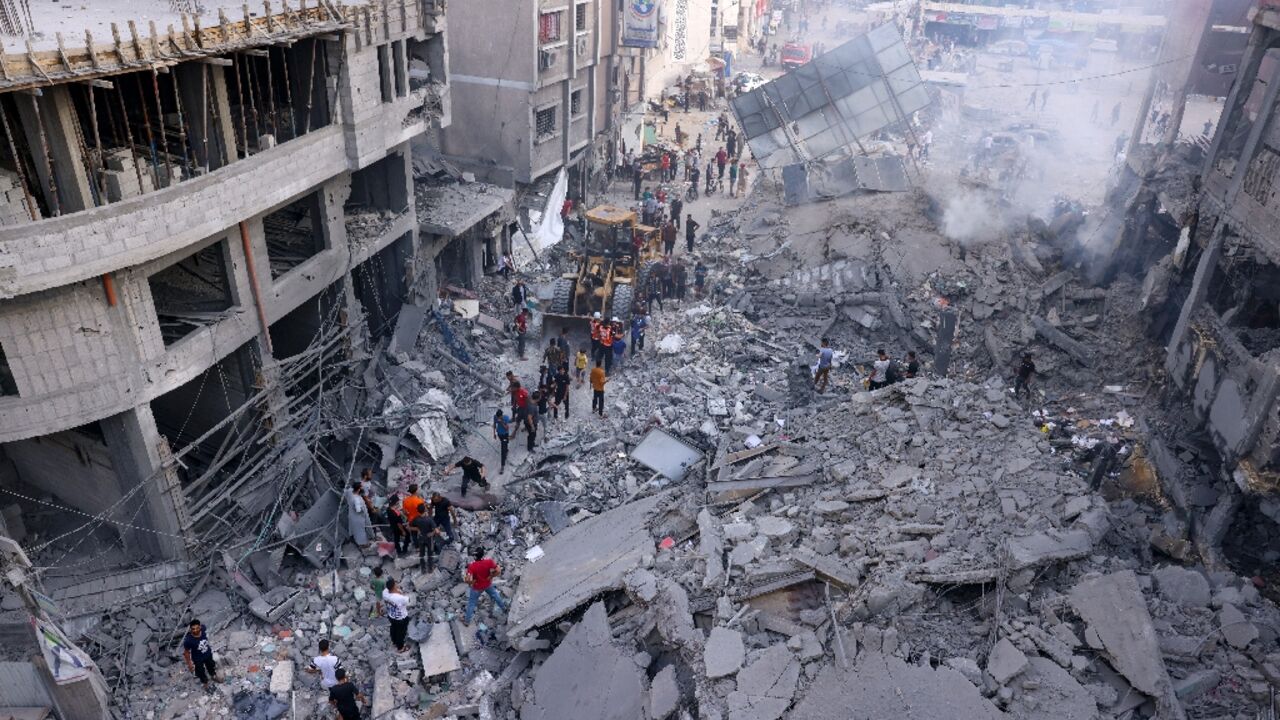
723, 653
282, 678
1005, 662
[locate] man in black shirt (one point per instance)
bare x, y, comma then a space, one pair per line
344, 696
913, 364
472, 471
428, 534
444, 514
1025, 371
198, 653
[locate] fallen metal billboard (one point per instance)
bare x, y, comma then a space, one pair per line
833, 101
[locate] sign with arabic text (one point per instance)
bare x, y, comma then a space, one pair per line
640, 24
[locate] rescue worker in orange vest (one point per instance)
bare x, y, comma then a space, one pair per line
605, 346
595, 335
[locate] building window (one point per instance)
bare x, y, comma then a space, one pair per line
7, 385
580, 17
713, 22
384, 73
549, 27
575, 103
544, 122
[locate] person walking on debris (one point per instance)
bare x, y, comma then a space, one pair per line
1044, 98
742, 179
710, 179
580, 365
377, 584
522, 328
722, 159
553, 355
345, 697
1026, 369
472, 472
531, 420
1031, 101
479, 577
880, 371
396, 527
619, 349
520, 407
690, 232
595, 334
445, 515
397, 613
561, 384
637, 179
520, 294
653, 293
502, 433
639, 323
598, 380
699, 278
822, 373
606, 341
733, 178
427, 533
198, 654
731, 143
913, 364
326, 665
677, 205
680, 279
543, 401
357, 516
669, 237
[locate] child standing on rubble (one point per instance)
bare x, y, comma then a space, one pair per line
580, 365
377, 584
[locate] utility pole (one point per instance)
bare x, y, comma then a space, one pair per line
82, 694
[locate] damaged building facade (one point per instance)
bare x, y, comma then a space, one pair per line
204, 221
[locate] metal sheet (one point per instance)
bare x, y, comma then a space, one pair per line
826, 105
666, 453
883, 174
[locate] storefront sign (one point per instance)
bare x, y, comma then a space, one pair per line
640, 24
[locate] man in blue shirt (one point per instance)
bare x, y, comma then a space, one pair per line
825, 357
502, 433
638, 324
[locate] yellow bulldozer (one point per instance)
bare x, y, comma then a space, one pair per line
610, 265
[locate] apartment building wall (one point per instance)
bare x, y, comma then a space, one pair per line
89, 360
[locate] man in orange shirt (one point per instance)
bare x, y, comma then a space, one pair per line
413, 506
598, 380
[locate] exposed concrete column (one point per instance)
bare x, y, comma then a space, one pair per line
1199, 286
1265, 113
1260, 404
57, 118
139, 455
207, 107
1253, 54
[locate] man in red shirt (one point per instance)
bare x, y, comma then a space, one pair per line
666, 165
479, 576
722, 159
519, 405
522, 327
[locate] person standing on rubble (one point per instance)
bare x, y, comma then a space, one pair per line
560, 383
606, 341
553, 355
722, 159
733, 178
414, 506
639, 323
396, 526
397, 613
345, 697
666, 166
595, 334
445, 515
1026, 370
699, 278
326, 665
742, 179
880, 370
913, 364
637, 178
427, 533
619, 351
521, 328
472, 472
198, 653
677, 206
580, 365
1031, 101
826, 357
479, 577
357, 516
519, 294
679, 279
653, 293
731, 142
598, 380
669, 237
502, 433
690, 232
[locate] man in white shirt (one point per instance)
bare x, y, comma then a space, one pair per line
397, 613
880, 370
327, 665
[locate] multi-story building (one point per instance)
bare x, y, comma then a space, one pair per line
203, 216
532, 83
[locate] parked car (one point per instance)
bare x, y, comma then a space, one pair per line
745, 82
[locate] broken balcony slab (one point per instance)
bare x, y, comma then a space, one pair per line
439, 655
1047, 547
665, 453
882, 686
408, 327
580, 562
588, 676
1113, 607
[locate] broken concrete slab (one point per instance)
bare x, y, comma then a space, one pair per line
883, 686
1047, 547
1005, 661
1116, 613
664, 694
1045, 691
665, 453
723, 653
587, 676
766, 686
1236, 628
439, 654
711, 546
282, 678
580, 562
1181, 586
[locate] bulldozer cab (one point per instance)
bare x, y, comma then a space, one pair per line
609, 229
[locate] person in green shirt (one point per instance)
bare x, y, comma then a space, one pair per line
733, 177
377, 584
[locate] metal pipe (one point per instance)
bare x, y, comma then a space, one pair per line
109, 287
253, 285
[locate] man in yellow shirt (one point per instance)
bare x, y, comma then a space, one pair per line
598, 379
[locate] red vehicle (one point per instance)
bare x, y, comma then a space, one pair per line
795, 54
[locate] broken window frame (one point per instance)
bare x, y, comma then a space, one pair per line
544, 123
